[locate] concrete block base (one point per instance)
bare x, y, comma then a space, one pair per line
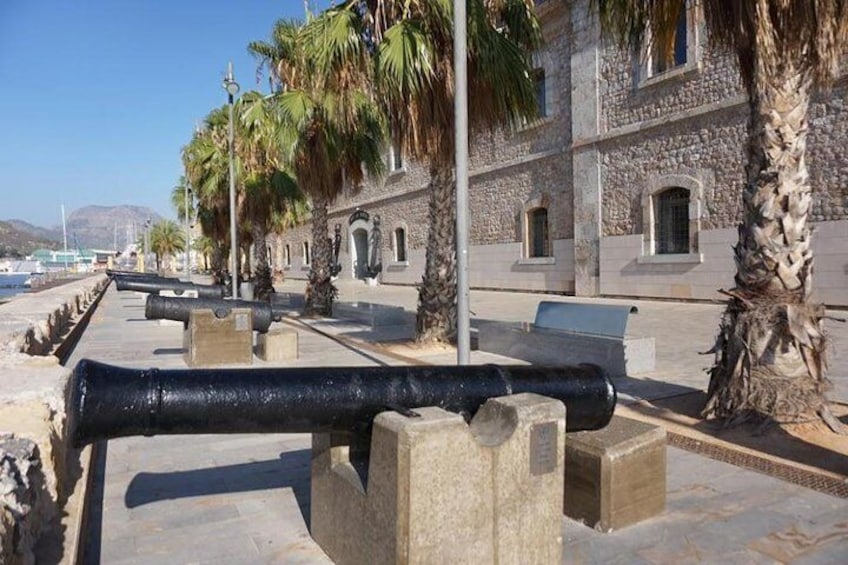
441, 491
615, 476
528, 342
209, 340
277, 345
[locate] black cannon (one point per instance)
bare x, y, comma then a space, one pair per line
110, 402
179, 309
155, 285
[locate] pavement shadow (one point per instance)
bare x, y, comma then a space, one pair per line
169, 351
290, 470
808, 444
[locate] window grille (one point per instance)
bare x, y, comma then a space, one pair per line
400, 245
539, 246
671, 227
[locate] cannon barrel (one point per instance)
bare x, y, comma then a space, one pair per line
136, 275
179, 309
155, 285
110, 402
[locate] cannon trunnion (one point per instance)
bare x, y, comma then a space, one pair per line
179, 309
140, 284
110, 402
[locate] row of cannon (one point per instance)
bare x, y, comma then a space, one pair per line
109, 402
177, 308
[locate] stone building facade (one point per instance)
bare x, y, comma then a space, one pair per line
629, 185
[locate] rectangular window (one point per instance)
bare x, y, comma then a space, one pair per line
306, 253
394, 158
539, 246
672, 221
541, 95
669, 50
400, 245
287, 255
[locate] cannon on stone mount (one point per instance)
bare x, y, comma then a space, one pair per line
110, 402
178, 287
136, 275
179, 309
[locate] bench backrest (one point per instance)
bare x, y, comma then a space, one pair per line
595, 319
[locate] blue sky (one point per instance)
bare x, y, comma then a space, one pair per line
99, 96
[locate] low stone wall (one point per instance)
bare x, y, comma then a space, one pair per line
36, 472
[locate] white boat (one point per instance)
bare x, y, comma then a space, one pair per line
18, 274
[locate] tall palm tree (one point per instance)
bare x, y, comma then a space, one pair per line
770, 350
412, 46
206, 164
268, 188
166, 239
331, 133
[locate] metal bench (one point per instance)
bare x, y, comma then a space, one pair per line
370, 314
565, 333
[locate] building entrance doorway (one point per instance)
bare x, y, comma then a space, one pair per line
360, 253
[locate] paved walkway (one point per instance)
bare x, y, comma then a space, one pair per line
245, 498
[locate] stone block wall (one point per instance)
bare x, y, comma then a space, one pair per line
37, 471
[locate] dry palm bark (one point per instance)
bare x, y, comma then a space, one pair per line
436, 319
770, 350
321, 292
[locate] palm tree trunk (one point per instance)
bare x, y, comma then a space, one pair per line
770, 350
218, 271
436, 319
320, 292
264, 286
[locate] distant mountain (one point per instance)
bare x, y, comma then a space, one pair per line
18, 243
98, 227
53, 234
95, 227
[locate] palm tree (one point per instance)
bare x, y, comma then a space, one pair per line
206, 164
412, 46
205, 245
770, 350
166, 238
268, 188
331, 135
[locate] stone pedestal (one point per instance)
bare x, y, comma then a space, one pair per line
277, 345
615, 477
441, 491
210, 340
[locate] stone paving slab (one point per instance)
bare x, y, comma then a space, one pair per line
230, 499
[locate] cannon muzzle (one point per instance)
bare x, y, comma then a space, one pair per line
109, 402
155, 285
179, 309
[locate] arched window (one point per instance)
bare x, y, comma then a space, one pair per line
400, 244
671, 221
538, 244
306, 253
287, 255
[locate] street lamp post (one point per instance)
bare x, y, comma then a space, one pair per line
232, 88
187, 234
146, 244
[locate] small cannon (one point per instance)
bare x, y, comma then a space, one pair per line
178, 287
179, 309
110, 402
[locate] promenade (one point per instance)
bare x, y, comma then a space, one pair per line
245, 498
